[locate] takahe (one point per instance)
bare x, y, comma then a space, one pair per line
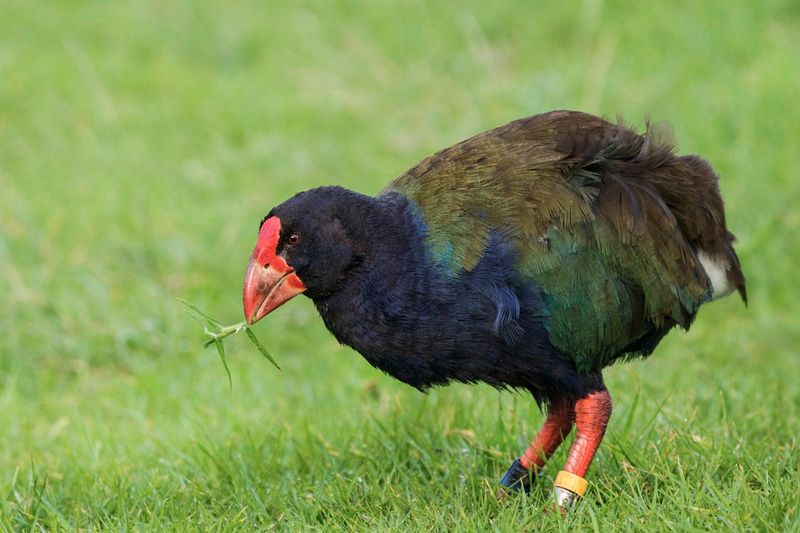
530, 256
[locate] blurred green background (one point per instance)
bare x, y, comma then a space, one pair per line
142, 142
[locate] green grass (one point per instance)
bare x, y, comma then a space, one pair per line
141, 143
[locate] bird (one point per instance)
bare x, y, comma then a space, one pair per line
531, 256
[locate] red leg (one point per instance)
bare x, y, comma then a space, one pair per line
591, 418
557, 426
559, 421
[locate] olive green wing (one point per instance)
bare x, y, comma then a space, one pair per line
571, 193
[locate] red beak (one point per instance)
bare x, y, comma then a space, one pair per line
269, 281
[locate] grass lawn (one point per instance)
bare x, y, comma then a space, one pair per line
142, 142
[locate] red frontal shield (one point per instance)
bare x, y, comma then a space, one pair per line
269, 281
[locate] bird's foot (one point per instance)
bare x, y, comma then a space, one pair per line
517, 478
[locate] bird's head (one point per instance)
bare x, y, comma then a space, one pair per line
303, 246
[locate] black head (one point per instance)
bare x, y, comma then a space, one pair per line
317, 237
308, 244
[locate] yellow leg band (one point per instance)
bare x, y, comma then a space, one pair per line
571, 482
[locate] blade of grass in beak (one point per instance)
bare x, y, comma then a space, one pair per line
199, 313
221, 350
260, 348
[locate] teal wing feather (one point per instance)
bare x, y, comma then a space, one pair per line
605, 221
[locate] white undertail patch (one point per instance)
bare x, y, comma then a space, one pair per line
717, 271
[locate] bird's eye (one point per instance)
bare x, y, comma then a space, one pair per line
294, 239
